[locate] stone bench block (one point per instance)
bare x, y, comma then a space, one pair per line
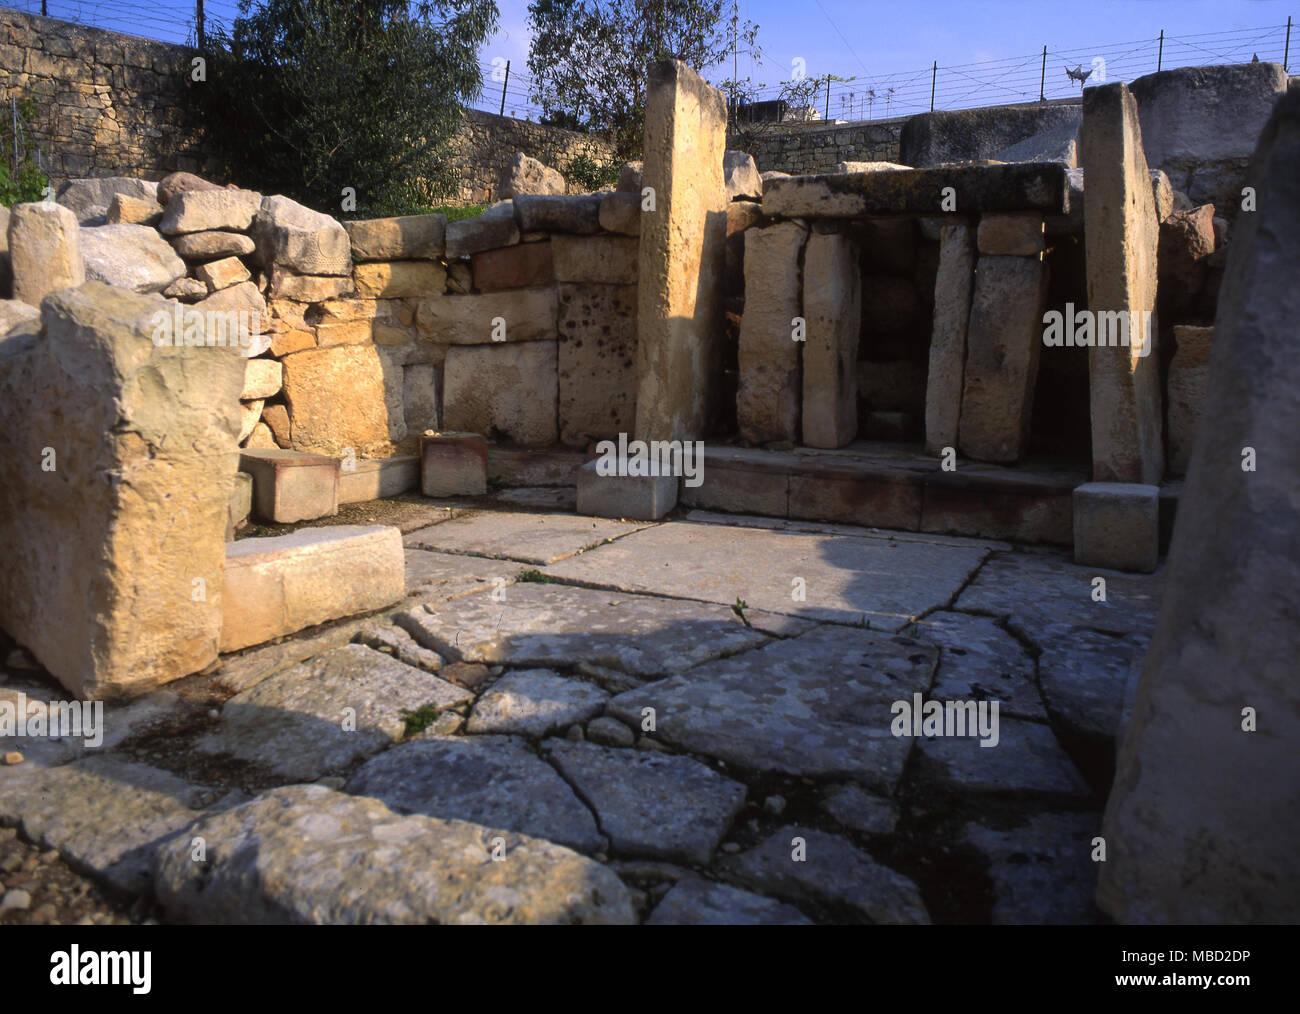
640, 497
453, 464
382, 477
278, 586
292, 485
1117, 526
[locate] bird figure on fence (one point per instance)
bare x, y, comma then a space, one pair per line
1078, 74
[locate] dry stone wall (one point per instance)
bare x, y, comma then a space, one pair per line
804, 149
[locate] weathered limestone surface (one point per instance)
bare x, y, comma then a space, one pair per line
952, 295
832, 306
1122, 234
89, 198
399, 279
280, 585
1117, 525
1201, 820
453, 464
408, 237
492, 780
1027, 758
306, 854
513, 267
1186, 387
472, 319
643, 497
336, 400
204, 210
770, 384
741, 176
1004, 340
535, 702
539, 212
130, 257
292, 236
44, 250
1016, 235
681, 255
980, 659
1042, 870
527, 175
528, 538
215, 243
115, 516
597, 361
602, 260
505, 390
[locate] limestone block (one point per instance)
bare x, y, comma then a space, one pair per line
639, 497
308, 288
379, 478
399, 279
306, 242
421, 395
527, 175
407, 237
1117, 526
335, 398
177, 183
596, 361
1186, 387
1018, 235
513, 267
741, 176
127, 210
832, 306
114, 515
517, 315
474, 235
1200, 820
205, 210
241, 503
504, 390
263, 378
202, 246
453, 464
280, 585
579, 213
291, 486
44, 250
222, 274
682, 256
1003, 342
130, 257
90, 198
621, 212
1122, 233
608, 260
952, 299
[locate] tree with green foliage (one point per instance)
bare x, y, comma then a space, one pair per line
311, 97
21, 178
589, 58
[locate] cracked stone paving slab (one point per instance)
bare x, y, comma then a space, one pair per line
980, 661
527, 538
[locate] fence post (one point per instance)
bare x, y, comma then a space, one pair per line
828, 97
1042, 80
1286, 53
1160, 58
934, 73
198, 21
503, 88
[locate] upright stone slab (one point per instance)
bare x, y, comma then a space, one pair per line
597, 361
336, 401
1201, 825
768, 396
832, 307
679, 350
1189, 377
1003, 341
503, 391
952, 295
44, 250
1121, 229
119, 459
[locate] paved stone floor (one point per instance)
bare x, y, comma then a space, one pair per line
577, 720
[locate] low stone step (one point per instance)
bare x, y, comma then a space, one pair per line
379, 478
280, 585
291, 486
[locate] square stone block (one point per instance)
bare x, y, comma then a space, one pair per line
453, 464
1117, 526
640, 497
277, 586
291, 485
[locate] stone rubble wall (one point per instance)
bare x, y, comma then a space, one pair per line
806, 149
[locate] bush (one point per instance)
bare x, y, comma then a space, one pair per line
21, 179
590, 175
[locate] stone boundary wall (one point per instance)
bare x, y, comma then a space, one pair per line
107, 104
803, 149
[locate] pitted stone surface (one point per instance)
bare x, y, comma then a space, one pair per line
816, 705
439, 577
980, 661
528, 538
832, 873
694, 901
493, 780
1085, 677
1047, 597
1042, 871
548, 625
105, 815
651, 804
294, 722
306, 854
1027, 758
535, 702
860, 810
846, 578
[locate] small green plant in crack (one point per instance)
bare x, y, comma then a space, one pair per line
739, 607
532, 575
420, 719
864, 623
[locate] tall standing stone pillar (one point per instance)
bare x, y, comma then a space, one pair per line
679, 301
952, 294
1121, 231
1204, 816
832, 305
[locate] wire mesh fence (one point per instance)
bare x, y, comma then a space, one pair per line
851, 95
